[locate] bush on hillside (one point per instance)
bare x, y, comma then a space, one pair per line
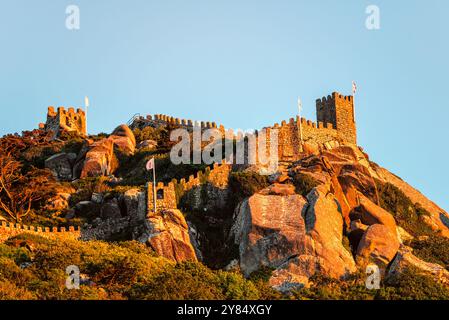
304, 183
245, 184
433, 248
407, 214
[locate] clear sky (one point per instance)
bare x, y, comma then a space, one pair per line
240, 63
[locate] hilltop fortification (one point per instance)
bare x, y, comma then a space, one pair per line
65, 120
335, 125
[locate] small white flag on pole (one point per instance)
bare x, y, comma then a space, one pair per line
86, 101
354, 87
150, 164
299, 105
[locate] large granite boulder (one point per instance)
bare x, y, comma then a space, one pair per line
269, 230
61, 165
373, 214
167, 233
123, 138
99, 159
378, 245
110, 210
324, 224
406, 259
295, 236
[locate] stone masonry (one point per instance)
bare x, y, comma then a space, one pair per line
67, 120
335, 124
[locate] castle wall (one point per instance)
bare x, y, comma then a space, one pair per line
67, 120
289, 134
8, 230
206, 189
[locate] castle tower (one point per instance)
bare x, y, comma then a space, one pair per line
68, 120
338, 110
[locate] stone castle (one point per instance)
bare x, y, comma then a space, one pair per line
67, 120
335, 125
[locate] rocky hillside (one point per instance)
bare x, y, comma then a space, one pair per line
308, 231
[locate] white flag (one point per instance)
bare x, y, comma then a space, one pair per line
150, 164
299, 105
86, 101
354, 87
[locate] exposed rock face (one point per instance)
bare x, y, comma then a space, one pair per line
110, 210
123, 138
61, 165
373, 214
99, 159
405, 259
168, 235
295, 273
324, 224
378, 245
271, 231
86, 208
99, 156
135, 205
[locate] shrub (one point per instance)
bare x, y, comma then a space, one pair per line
304, 183
325, 288
413, 285
434, 249
193, 281
245, 184
9, 291
407, 214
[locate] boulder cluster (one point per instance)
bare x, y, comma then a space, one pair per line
336, 229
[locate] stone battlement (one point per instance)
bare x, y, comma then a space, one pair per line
168, 194
335, 122
178, 121
8, 229
65, 119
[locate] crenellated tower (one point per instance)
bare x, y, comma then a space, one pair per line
67, 120
338, 110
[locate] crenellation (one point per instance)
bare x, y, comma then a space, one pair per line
335, 122
65, 120
9, 229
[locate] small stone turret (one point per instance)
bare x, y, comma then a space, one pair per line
67, 120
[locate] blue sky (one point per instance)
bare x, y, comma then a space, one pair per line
239, 63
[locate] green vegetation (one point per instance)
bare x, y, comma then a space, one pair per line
304, 183
161, 135
407, 214
433, 248
32, 267
409, 285
245, 184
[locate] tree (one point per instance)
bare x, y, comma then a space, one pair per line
18, 191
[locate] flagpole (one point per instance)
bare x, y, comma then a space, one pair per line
300, 125
354, 90
154, 185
